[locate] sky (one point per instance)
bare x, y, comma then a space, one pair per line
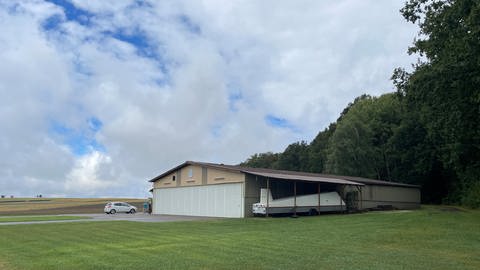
98, 97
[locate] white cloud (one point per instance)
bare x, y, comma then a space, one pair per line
85, 178
178, 80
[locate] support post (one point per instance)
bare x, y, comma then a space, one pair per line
319, 198
361, 198
294, 198
358, 198
341, 199
268, 196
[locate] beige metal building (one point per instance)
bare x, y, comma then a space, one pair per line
218, 190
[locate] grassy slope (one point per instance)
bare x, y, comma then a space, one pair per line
38, 218
426, 239
54, 206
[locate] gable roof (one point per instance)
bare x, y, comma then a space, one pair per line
292, 175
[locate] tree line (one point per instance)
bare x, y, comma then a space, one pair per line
427, 132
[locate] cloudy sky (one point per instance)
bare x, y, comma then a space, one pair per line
97, 97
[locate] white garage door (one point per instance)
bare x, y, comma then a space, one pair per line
223, 200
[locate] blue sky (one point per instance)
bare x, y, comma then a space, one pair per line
79, 141
111, 93
70, 12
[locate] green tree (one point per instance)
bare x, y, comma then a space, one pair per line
317, 150
417, 159
427, 133
294, 158
262, 160
444, 89
361, 145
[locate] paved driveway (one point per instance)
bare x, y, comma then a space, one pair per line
138, 217
141, 217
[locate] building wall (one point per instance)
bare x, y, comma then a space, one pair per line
252, 192
193, 175
202, 191
220, 176
398, 197
166, 181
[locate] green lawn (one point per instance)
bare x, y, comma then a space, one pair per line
39, 218
426, 239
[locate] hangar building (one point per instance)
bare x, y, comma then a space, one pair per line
218, 190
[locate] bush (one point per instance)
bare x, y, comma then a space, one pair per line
471, 195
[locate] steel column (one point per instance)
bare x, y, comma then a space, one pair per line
268, 197
341, 198
319, 198
294, 198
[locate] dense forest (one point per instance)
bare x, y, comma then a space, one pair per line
427, 132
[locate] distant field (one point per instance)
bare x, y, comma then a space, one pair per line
431, 238
54, 206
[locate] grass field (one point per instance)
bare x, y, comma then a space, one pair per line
56, 206
431, 238
38, 218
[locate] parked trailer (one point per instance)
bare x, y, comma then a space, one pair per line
329, 202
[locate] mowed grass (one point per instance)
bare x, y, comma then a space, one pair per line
430, 238
55, 206
39, 218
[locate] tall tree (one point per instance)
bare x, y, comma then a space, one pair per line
427, 133
360, 144
444, 88
294, 158
317, 150
262, 160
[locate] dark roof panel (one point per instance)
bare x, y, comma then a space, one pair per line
304, 178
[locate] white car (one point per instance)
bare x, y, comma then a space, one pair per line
119, 207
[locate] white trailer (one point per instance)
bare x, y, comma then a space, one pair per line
329, 202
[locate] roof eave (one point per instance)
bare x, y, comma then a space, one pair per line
203, 164
155, 179
313, 179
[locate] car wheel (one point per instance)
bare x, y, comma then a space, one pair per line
313, 212
132, 211
113, 211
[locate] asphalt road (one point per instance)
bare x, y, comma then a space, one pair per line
138, 217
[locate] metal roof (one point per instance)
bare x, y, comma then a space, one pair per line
186, 163
292, 175
304, 178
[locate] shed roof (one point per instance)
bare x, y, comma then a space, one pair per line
304, 178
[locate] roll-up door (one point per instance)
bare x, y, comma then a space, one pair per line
222, 200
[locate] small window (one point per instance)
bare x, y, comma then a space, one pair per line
173, 178
190, 173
